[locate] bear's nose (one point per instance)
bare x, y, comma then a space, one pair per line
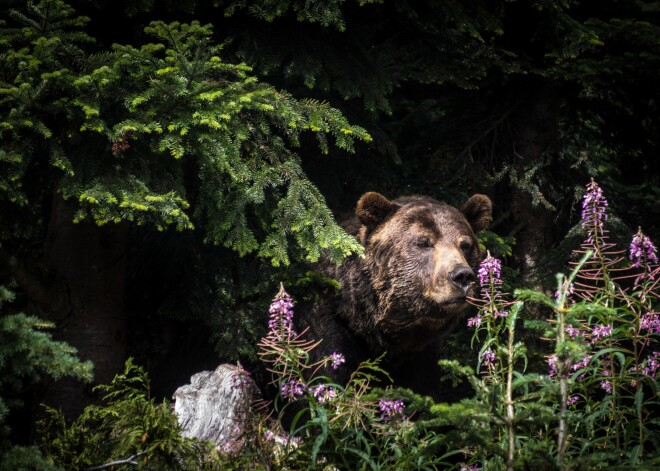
462, 277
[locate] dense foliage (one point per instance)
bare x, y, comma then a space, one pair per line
164, 165
128, 430
117, 128
28, 356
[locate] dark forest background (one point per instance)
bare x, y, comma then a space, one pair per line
147, 217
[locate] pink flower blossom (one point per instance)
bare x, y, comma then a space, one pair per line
488, 357
594, 206
573, 331
292, 389
490, 271
337, 359
390, 408
651, 365
606, 386
474, 321
651, 322
572, 400
323, 393
642, 250
552, 363
600, 331
499, 313
280, 323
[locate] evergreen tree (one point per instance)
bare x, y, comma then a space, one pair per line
28, 357
166, 135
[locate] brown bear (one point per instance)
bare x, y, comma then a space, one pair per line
420, 259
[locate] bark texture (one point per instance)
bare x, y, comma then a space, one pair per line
86, 267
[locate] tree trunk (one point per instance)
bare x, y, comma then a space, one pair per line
87, 264
536, 138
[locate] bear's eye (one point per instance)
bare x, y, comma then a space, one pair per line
466, 246
423, 242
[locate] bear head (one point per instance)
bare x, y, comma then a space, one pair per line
421, 256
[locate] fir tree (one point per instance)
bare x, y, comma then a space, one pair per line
28, 356
165, 134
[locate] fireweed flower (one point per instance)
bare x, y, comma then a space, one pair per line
594, 206
650, 322
606, 386
488, 358
474, 321
491, 302
643, 255
323, 393
292, 389
552, 363
651, 365
600, 331
280, 323
642, 251
390, 409
336, 359
573, 331
490, 271
499, 313
569, 291
582, 363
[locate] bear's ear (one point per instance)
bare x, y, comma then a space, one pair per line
478, 210
373, 208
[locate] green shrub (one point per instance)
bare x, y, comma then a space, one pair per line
28, 355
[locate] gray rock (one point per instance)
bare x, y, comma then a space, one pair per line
217, 406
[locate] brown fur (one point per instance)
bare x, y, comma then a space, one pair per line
400, 297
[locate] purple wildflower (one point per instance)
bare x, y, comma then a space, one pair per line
488, 357
643, 255
471, 467
651, 322
552, 363
594, 206
572, 400
323, 393
499, 313
582, 363
606, 386
280, 323
569, 291
336, 359
390, 409
474, 321
292, 389
600, 331
573, 331
642, 250
651, 365
490, 271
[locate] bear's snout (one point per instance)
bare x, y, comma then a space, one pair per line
463, 278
